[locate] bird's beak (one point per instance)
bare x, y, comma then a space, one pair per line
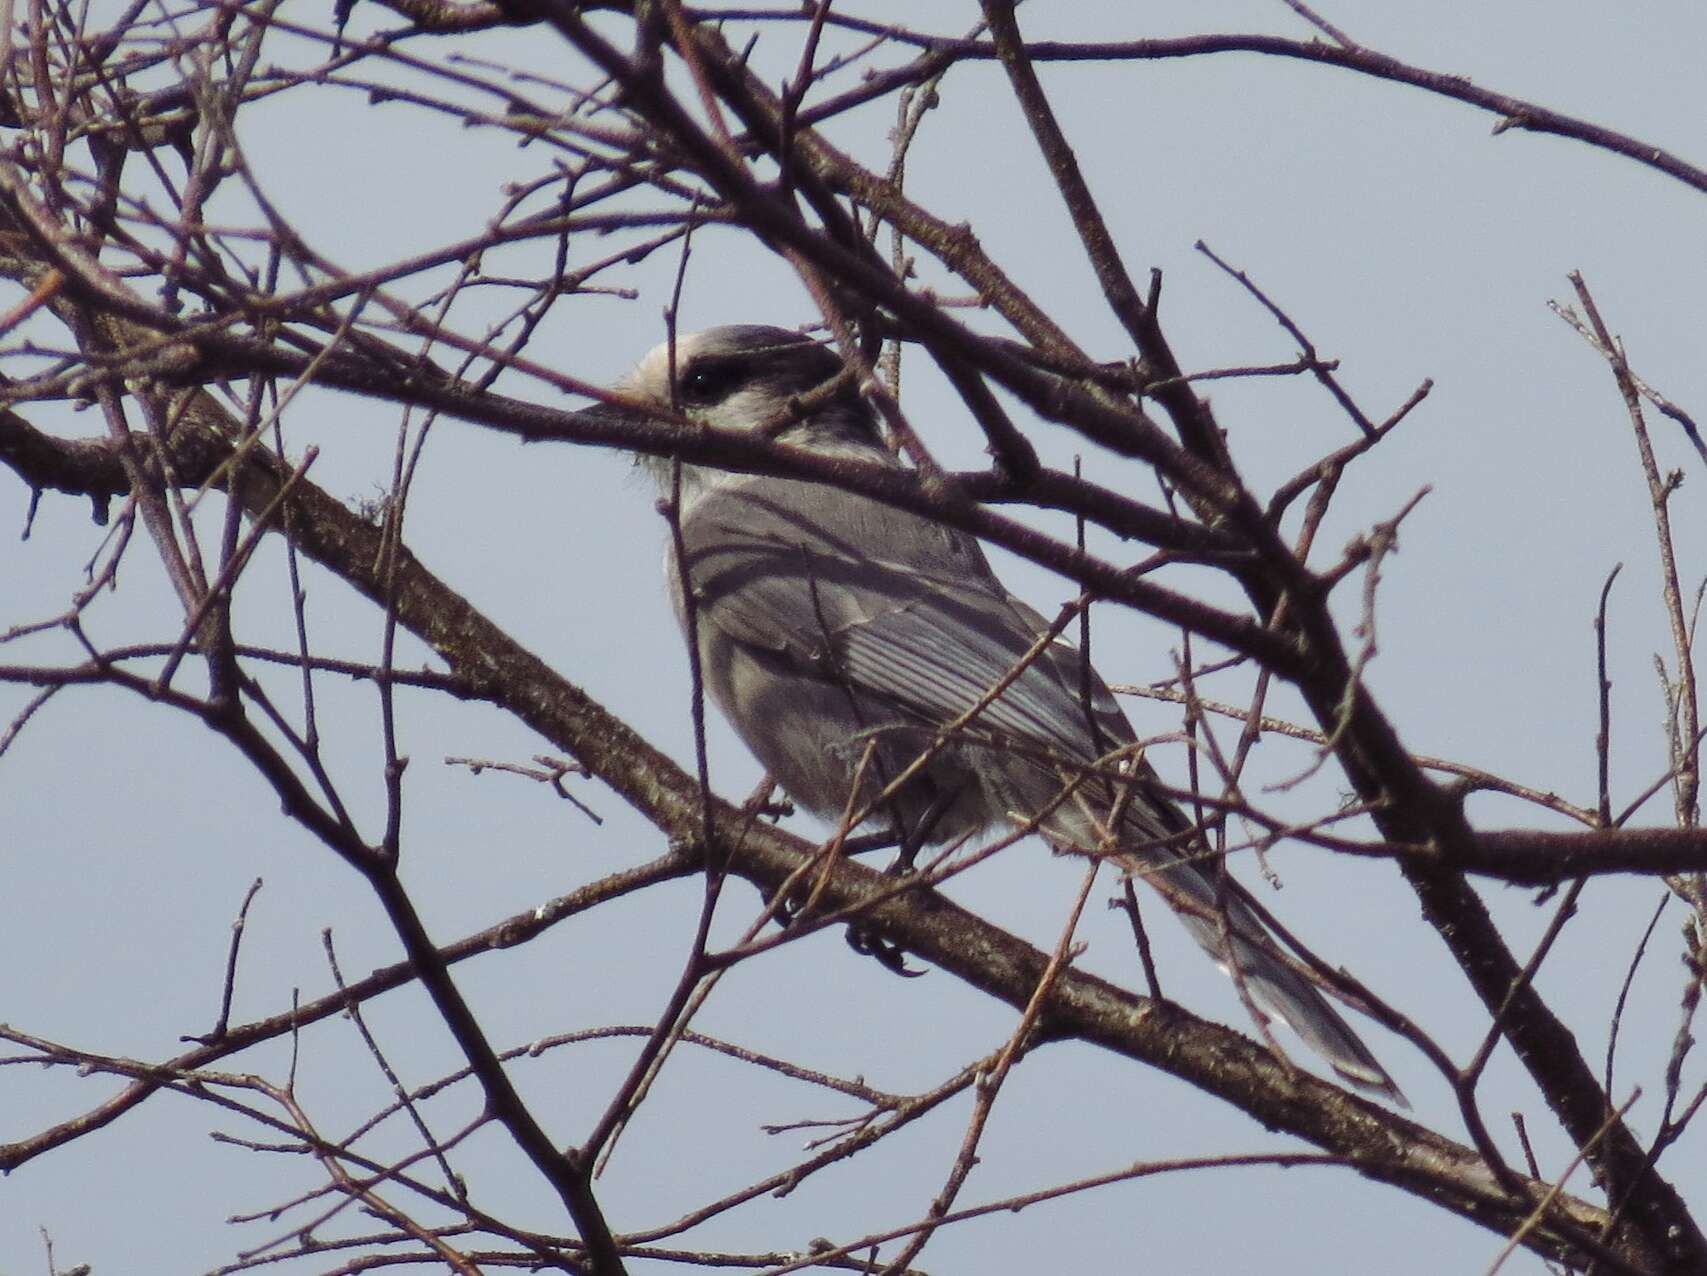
616, 412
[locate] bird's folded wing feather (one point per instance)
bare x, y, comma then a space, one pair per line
903, 610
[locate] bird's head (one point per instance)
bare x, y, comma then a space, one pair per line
751, 377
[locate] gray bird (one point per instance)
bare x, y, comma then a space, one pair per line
840, 635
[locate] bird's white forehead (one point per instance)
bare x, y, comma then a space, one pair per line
651, 376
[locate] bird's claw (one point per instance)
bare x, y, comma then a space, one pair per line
891, 956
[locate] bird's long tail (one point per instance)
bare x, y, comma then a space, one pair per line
1234, 935
1244, 943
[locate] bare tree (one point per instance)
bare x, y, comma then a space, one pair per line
180, 352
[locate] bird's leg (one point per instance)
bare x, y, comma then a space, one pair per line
912, 841
918, 837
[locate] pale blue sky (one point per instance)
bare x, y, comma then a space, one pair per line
1408, 241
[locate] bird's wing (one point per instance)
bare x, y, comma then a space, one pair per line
899, 608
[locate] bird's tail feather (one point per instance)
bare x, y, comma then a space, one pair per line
1233, 934
1278, 988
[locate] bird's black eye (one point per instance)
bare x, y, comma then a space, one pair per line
708, 381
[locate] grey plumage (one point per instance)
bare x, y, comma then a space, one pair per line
839, 635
